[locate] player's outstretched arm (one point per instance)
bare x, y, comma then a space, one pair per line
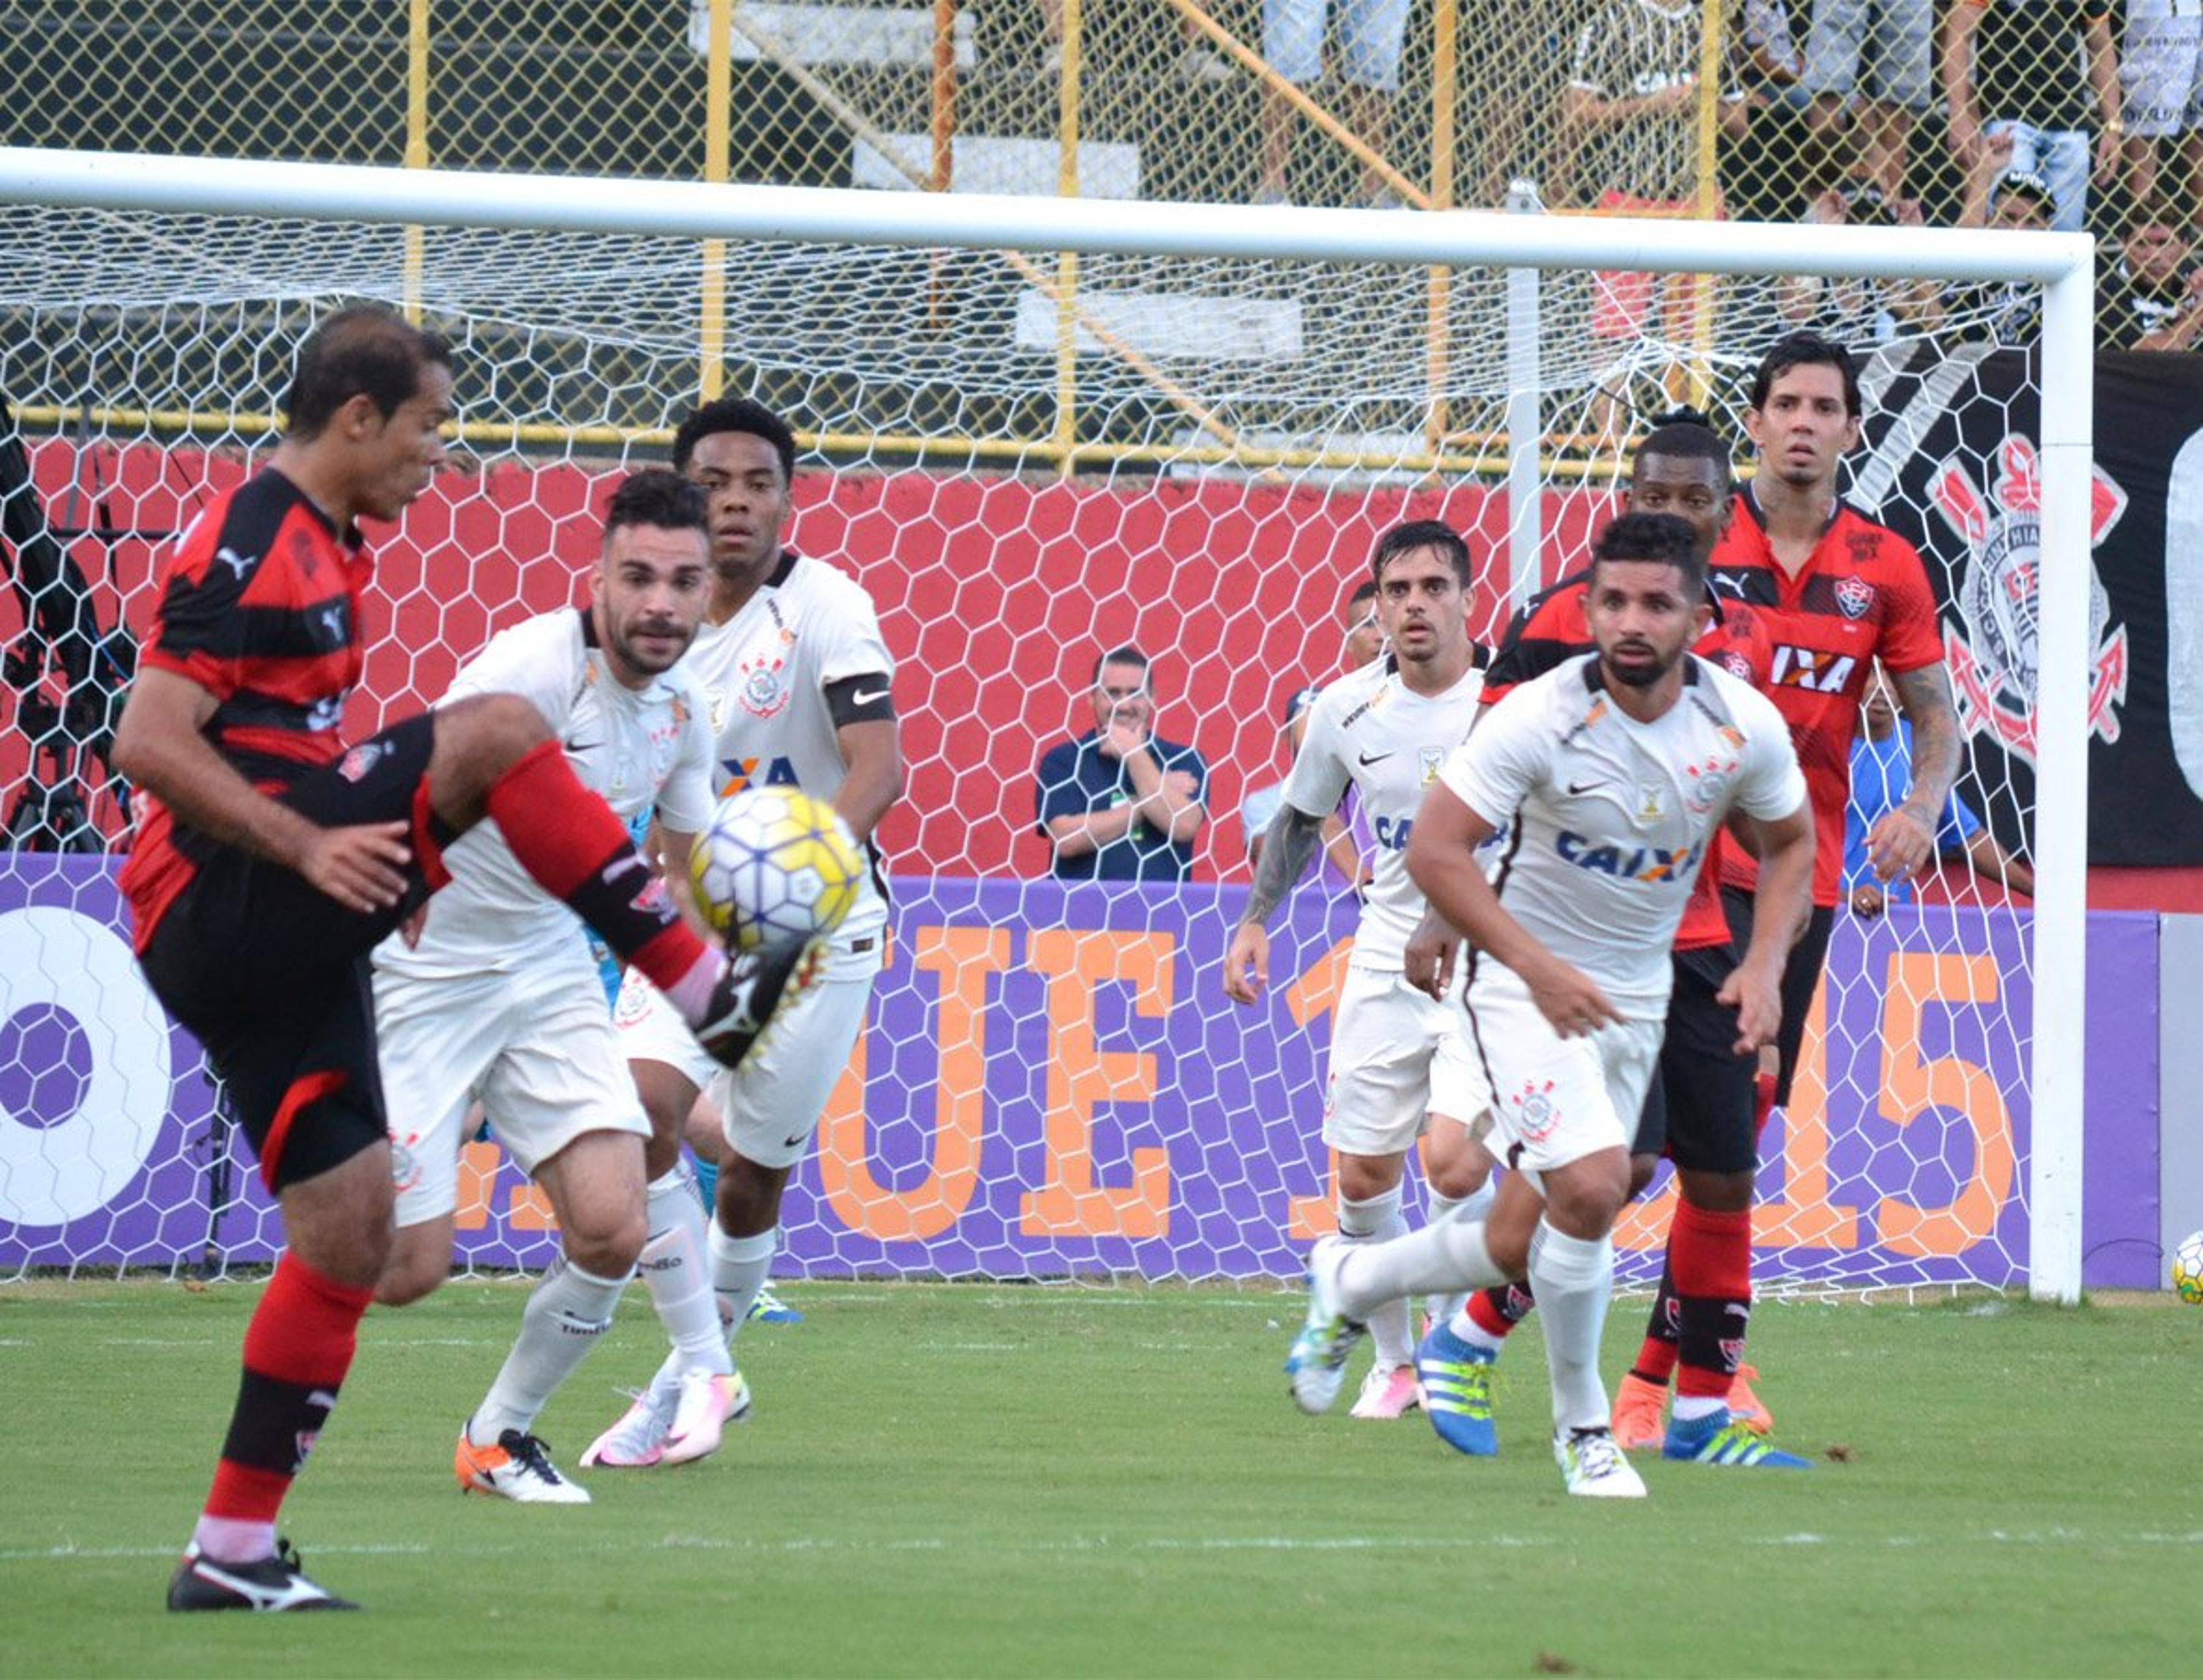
160, 744
1780, 909
1441, 862
1901, 840
1289, 846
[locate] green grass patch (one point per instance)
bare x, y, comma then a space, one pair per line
979, 1479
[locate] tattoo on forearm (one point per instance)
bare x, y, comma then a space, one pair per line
1292, 843
1926, 696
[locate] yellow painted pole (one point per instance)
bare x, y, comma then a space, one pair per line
1067, 262
1706, 201
1445, 22
712, 304
416, 144
944, 174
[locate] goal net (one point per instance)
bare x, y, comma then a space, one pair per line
1037, 430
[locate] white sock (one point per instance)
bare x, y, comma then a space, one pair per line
1375, 1221
676, 1271
740, 1266
1573, 1279
1475, 1205
1451, 1256
568, 1310
692, 993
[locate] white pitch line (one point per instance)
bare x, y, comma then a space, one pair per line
798, 1545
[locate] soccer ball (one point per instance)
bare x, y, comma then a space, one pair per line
2187, 1269
774, 867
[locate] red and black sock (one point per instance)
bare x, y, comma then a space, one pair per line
1656, 1358
567, 839
297, 1351
1709, 1255
1496, 1311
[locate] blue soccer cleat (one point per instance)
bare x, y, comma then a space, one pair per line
770, 1308
1718, 1439
1456, 1378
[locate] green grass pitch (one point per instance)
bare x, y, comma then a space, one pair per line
993, 1479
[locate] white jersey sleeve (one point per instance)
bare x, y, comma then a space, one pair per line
1769, 783
540, 660
1318, 778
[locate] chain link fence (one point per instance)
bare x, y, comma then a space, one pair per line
2080, 113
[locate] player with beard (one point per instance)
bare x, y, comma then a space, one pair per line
499, 1000
799, 681
1610, 774
1400, 1068
1699, 1109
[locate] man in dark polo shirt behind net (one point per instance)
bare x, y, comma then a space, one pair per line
1121, 803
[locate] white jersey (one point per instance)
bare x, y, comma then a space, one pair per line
1371, 730
1610, 819
764, 674
646, 751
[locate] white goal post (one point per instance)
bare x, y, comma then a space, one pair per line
2062, 265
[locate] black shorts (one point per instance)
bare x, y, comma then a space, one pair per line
1801, 977
271, 975
1707, 1086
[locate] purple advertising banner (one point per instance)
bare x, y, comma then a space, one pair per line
1053, 1083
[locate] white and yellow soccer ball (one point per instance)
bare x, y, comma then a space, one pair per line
774, 867
2187, 1269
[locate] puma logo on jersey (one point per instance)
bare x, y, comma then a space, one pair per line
1650, 864
1813, 668
238, 564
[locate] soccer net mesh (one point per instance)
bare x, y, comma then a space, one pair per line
1027, 458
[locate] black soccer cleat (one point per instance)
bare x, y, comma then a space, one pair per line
757, 984
273, 1583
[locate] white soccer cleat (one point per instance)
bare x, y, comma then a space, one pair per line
1387, 1393
517, 1468
1317, 1363
1594, 1466
637, 1440
708, 1401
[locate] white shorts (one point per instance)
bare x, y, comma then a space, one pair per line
536, 1046
1395, 1055
1556, 1100
770, 1104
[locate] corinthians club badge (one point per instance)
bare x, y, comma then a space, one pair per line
1996, 656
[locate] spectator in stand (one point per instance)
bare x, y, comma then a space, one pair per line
1371, 35
1122, 803
2161, 83
1773, 70
1881, 776
2004, 313
2151, 295
1629, 133
1850, 311
2036, 71
1869, 68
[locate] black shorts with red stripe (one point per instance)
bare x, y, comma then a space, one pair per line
271, 975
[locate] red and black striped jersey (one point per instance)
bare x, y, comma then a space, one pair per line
260, 606
1553, 628
1862, 595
